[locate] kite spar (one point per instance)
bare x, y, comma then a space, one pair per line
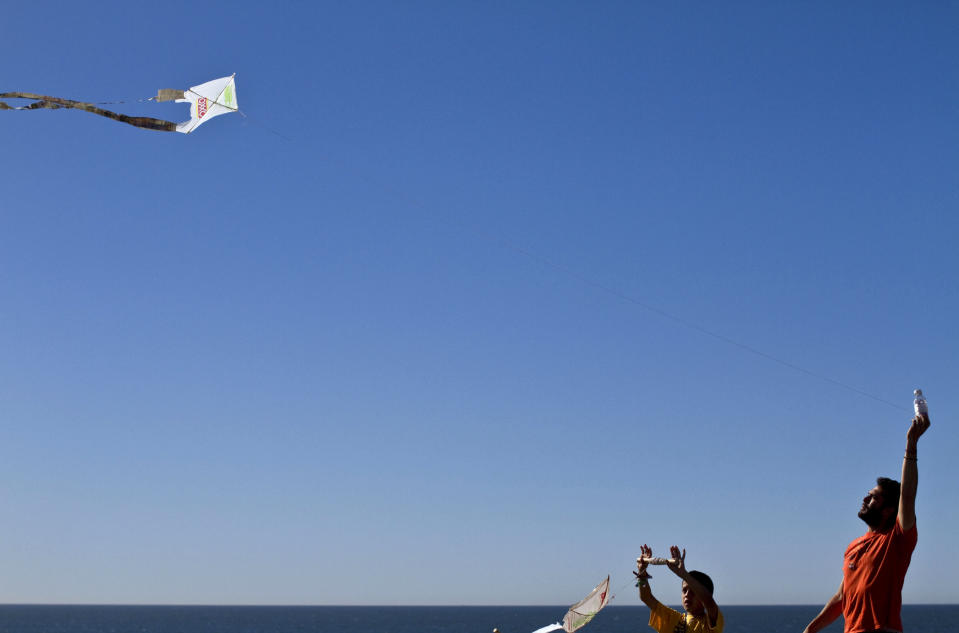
207, 100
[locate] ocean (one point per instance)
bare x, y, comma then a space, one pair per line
614, 619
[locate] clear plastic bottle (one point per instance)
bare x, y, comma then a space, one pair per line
919, 404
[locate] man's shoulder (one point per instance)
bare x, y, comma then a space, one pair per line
910, 536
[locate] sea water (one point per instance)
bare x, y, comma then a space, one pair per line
614, 619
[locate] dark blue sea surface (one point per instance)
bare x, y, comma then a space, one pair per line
615, 619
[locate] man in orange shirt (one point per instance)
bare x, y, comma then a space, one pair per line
875, 564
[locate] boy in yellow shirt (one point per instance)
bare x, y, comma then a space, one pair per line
702, 613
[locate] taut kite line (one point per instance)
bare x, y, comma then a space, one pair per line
207, 100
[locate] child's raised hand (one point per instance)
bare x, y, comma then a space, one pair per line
641, 563
679, 566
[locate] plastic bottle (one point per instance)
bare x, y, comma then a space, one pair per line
919, 404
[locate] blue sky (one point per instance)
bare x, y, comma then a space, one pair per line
396, 335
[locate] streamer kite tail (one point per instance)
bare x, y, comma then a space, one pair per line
55, 103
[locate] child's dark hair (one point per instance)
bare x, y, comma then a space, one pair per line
703, 579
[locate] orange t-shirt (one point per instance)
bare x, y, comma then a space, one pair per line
873, 572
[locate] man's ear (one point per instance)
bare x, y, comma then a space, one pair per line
889, 513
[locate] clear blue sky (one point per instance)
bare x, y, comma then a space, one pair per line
385, 339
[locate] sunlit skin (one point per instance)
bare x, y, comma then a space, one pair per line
873, 511
873, 499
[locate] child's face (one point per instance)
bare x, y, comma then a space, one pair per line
691, 603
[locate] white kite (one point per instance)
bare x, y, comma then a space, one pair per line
583, 611
207, 100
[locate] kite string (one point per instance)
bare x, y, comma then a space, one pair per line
526, 252
264, 126
620, 590
684, 322
570, 272
124, 101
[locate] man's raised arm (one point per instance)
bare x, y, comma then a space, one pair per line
910, 472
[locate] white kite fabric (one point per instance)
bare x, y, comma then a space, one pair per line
583, 611
208, 100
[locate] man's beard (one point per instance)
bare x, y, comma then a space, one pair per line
872, 517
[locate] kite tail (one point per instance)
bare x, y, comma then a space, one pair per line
54, 103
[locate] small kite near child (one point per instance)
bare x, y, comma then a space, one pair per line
583, 611
207, 100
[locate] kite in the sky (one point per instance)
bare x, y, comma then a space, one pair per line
207, 100
583, 611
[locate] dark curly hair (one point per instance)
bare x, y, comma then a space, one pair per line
703, 579
890, 492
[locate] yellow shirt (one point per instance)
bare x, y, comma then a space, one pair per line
666, 620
